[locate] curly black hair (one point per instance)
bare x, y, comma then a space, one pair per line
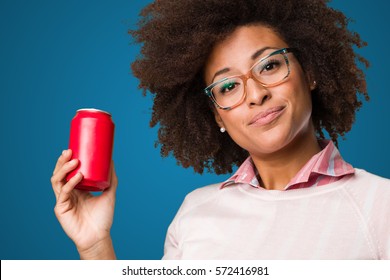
177, 38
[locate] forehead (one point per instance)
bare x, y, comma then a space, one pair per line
235, 51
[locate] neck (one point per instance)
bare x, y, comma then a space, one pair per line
276, 170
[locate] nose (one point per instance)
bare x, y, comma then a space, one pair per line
256, 93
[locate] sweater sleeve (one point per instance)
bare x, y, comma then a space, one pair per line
173, 241
379, 220
172, 249
372, 195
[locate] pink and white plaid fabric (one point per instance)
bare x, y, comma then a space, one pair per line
323, 168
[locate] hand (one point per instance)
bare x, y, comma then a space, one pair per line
85, 218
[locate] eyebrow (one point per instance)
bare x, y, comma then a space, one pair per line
253, 57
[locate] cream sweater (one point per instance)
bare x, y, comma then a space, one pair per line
347, 219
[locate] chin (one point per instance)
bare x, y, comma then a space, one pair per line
271, 143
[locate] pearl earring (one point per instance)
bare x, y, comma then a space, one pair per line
222, 129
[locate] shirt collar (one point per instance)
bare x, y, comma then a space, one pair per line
326, 164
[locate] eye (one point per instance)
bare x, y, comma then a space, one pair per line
227, 87
271, 65
268, 66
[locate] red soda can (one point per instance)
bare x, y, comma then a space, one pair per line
91, 141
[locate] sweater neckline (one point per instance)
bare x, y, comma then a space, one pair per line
296, 193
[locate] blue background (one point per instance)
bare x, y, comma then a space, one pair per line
59, 56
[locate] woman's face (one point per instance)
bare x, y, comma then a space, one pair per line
286, 108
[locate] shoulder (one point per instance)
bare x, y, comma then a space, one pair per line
370, 196
199, 197
366, 179
203, 194
367, 188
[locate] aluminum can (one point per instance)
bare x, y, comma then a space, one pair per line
91, 141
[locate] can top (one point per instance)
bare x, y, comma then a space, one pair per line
93, 110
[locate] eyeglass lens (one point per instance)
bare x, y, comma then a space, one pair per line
268, 71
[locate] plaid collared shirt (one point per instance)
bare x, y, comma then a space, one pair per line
323, 168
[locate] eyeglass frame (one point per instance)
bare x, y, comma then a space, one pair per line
249, 75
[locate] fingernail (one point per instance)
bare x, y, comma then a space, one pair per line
63, 152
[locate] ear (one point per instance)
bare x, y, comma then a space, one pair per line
311, 80
218, 118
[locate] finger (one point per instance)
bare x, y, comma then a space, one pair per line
114, 178
67, 189
58, 179
65, 156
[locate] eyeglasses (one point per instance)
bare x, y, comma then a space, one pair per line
269, 71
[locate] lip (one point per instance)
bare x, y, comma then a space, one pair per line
267, 116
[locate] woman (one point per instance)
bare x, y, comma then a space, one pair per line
249, 83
